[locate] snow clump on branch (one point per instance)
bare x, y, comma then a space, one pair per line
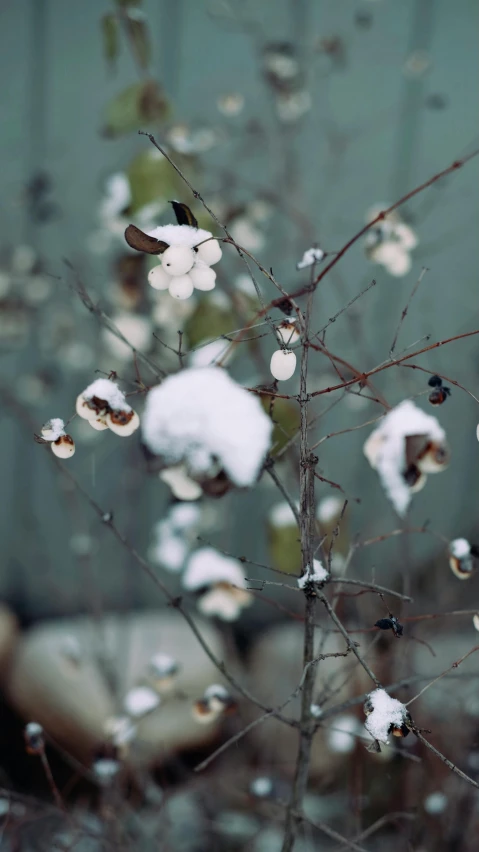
407, 445
104, 405
202, 419
385, 715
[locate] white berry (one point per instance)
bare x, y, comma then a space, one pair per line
203, 277
64, 447
178, 260
283, 364
209, 252
158, 278
181, 287
122, 423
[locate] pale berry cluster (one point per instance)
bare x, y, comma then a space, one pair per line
53, 432
104, 406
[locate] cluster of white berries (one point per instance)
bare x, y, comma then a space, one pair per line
390, 242
104, 405
283, 361
53, 432
184, 267
186, 254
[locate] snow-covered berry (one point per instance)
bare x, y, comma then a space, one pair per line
283, 364
53, 429
209, 252
178, 260
203, 277
122, 423
288, 331
158, 278
461, 559
63, 447
181, 287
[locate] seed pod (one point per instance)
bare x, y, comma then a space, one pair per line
123, 423
461, 559
181, 287
64, 447
178, 260
283, 364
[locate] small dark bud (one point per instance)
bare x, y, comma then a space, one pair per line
439, 395
435, 382
384, 624
285, 306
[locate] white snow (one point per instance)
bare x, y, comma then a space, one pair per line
180, 235
140, 700
216, 690
475, 621
281, 515
53, 429
317, 575
163, 665
108, 391
310, 257
206, 567
385, 449
316, 711
386, 711
460, 548
202, 416
328, 509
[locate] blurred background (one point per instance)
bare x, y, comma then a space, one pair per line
293, 118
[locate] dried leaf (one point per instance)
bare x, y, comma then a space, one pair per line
139, 39
133, 107
140, 241
183, 214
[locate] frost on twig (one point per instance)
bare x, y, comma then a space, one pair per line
407, 445
310, 257
316, 574
202, 419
